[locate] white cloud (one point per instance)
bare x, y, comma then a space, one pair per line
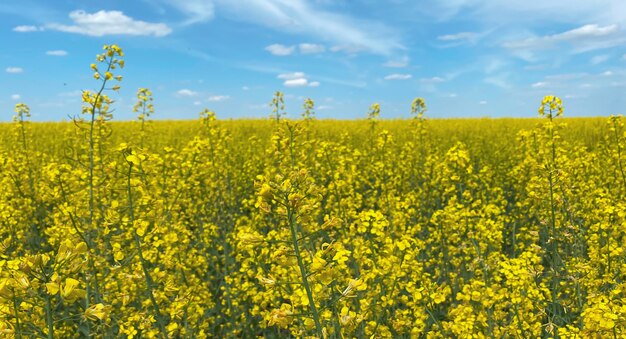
397, 63
582, 39
299, 82
216, 98
306, 48
291, 76
457, 36
14, 70
245, 88
301, 17
280, 50
397, 76
483, 102
598, 59
297, 79
26, 29
57, 53
586, 31
104, 23
349, 49
462, 38
186, 93
343, 82
15, 97
569, 82
197, 103
433, 80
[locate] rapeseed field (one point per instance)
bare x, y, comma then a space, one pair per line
506, 228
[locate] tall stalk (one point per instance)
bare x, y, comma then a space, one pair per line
144, 264
303, 273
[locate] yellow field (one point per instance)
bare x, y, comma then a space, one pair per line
338, 229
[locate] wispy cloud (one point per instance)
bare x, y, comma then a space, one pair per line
196, 11
301, 17
570, 82
308, 48
15, 97
494, 64
14, 70
457, 36
103, 23
598, 59
57, 53
26, 29
397, 63
217, 98
462, 38
397, 76
514, 12
539, 84
582, 39
280, 50
186, 93
501, 80
432, 80
348, 49
291, 76
303, 48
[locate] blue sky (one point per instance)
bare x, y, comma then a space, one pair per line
467, 58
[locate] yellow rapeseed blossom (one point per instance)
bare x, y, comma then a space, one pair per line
310, 228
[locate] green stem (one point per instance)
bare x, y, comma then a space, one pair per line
18, 325
553, 233
305, 281
91, 188
49, 321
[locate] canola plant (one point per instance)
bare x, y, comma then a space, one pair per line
306, 228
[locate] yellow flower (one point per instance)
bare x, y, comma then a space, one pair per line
97, 312
266, 281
